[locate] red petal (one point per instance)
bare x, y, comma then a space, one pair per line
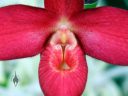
58, 80
64, 7
22, 31
103, 33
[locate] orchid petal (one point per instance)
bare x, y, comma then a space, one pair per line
64, 7
103, 33
62, 80
23, 30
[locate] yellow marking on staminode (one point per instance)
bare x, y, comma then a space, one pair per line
63, 38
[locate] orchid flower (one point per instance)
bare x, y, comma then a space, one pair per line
63, 33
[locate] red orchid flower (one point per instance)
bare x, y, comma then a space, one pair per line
63, 33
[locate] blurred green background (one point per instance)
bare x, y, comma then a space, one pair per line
103, 79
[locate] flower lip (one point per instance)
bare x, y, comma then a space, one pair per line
51, 73
64, 66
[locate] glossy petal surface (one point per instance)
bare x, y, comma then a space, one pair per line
57, 79
64, 7
23, 30
103, 33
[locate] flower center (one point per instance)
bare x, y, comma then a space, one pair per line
65, 41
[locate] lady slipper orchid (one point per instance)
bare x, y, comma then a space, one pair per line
63, 33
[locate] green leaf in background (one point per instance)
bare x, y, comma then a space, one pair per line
117, 3
90, 4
